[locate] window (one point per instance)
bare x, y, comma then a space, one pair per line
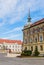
10, 45
13, 46
6, 47
13, 49
24, 33
27, 33
30, 40
25, 41
36, 39
25, 48
40, 29
36, 47
41, 48
0, 45
41, 38
31, 32
36, 31
32, 48
18, 49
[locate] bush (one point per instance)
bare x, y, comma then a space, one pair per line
26, 53
36, 52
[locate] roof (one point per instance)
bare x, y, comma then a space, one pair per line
10, 41
34, 24
37, 23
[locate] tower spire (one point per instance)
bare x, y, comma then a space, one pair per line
29, 18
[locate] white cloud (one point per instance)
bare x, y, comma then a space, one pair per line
36, 18
12, 36
17, 9
14, 20
13, 30
22, 9
6, 6
19, 5
2, 22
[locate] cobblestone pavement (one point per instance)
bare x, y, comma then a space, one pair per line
20, 61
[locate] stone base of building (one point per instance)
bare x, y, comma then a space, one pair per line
41, 54
12, 55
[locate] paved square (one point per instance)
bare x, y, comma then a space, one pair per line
20, 61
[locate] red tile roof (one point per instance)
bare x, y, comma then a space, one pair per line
10, 41
37, 23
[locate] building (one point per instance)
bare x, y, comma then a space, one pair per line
33, 36
14, 45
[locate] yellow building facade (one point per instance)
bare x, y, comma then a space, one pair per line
33, 36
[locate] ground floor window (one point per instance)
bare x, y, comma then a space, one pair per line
41, 47
25, 48
36, 48
32, 48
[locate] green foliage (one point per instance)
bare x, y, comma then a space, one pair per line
26, 53
36, 52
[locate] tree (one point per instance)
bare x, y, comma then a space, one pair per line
26, 53
36, 52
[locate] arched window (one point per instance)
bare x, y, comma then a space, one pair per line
31, 48
30, 40
40, 29
41, 38
36, 48
25, 48
41, 47
25, 41
35, 39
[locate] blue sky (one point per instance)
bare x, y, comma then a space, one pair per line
14, 14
